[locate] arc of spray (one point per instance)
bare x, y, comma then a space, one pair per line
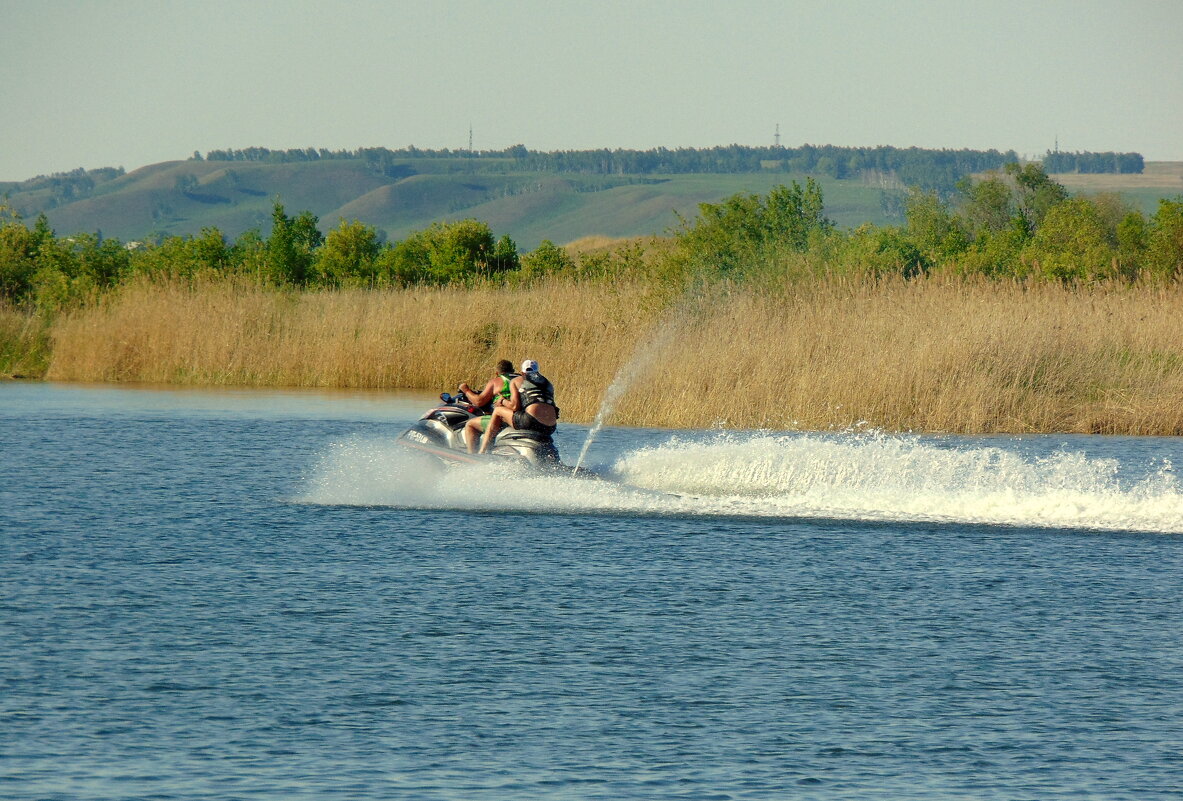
643, 356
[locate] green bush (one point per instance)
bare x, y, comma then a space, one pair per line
997, 255
744, 230
184, 256
448, 252
106, 262
1164, 247
871, 250
1071, 243
349, 256
933, 230
546, 259
18, 260
1014, 223
1131, 236
291, 246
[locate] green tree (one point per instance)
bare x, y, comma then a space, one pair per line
1131, 243
56, 283
745, 230
881, 251
404, 263
349, 255
792, 213
18, 256
998, 254
103, 261
1024, 191
1035, 192
1072, 243
248, 254
53, 289
937, 234
1113, 209
184, 256
1164, 247
989, 206
210, 251
443, 253
291, 246
505, 257
546, 259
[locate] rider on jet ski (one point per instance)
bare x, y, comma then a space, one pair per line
531, 406
496, 391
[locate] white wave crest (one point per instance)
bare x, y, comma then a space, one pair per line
887, 477
856, 476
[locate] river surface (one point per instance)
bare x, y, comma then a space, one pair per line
257, 595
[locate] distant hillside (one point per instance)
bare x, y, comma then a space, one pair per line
182, 197
520, 195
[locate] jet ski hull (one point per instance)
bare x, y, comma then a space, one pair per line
440, 433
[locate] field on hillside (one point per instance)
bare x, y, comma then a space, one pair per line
1160, 179
183, 197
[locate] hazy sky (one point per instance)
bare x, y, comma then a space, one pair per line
127, 83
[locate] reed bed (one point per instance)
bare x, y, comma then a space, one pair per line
24, 343
928, 355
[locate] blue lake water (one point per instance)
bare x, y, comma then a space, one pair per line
256, 595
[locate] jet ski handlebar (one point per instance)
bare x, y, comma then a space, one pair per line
459, 399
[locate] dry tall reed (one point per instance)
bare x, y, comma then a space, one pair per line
928, 355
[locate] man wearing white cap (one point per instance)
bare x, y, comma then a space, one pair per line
531, 406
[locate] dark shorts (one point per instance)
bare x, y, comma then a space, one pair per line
524, 421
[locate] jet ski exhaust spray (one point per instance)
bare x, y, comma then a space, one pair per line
643, 357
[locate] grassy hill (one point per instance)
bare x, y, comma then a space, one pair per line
182, 197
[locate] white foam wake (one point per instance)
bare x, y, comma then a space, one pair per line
872, 477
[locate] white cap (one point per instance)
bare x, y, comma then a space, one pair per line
529, 366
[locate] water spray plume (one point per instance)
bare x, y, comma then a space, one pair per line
783, 476
643, 357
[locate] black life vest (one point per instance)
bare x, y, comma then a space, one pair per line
535, 388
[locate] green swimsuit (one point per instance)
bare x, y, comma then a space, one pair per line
504, 394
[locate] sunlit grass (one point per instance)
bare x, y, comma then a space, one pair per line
930, 355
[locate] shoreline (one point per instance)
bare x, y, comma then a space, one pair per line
379, 393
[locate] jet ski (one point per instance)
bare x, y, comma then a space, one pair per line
440, 432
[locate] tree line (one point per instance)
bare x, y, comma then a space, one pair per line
62, 187
1093, 162
932, 169
42, 270
928, 169
1013, 223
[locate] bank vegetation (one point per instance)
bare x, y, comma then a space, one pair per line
1010, 308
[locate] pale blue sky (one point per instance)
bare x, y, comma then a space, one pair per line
132, 82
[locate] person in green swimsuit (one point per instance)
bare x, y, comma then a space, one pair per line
530, 407
496, 391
